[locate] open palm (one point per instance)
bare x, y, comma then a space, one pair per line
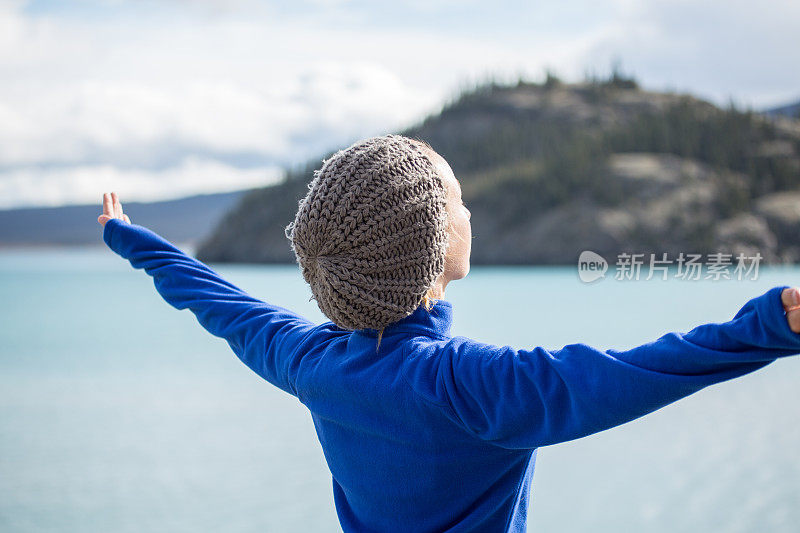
791, 304
112, 208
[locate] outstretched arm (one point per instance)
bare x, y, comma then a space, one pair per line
530, 398
267, 338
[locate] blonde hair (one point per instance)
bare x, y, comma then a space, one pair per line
428, 301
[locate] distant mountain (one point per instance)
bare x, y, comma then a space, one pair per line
186, 220
549, 170
789, 110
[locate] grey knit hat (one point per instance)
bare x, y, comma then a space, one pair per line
371, 234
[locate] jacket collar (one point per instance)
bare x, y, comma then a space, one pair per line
433, 323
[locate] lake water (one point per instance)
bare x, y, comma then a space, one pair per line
119, 413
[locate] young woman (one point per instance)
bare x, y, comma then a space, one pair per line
424, 431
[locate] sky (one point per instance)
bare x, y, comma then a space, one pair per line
162, 99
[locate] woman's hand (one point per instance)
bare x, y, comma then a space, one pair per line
791, 304
112, 208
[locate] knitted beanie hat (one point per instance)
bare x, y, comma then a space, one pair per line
371, 234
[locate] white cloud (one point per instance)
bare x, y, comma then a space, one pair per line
137, 124
718, 49
83, 184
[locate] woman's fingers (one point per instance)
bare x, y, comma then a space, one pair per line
112, 208
117, 205
790, 298
108, 206
120, 214
791, 304
108, 210
793, 317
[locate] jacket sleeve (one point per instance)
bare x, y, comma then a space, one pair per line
531, 398
266, 338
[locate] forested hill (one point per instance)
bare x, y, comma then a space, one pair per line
551, 169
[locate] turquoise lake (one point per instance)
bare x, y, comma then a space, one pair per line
119, 413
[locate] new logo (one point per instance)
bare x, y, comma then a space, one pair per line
591, 266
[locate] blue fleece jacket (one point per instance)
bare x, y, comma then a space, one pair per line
439, 433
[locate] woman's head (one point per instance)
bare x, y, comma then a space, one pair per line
371, 236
